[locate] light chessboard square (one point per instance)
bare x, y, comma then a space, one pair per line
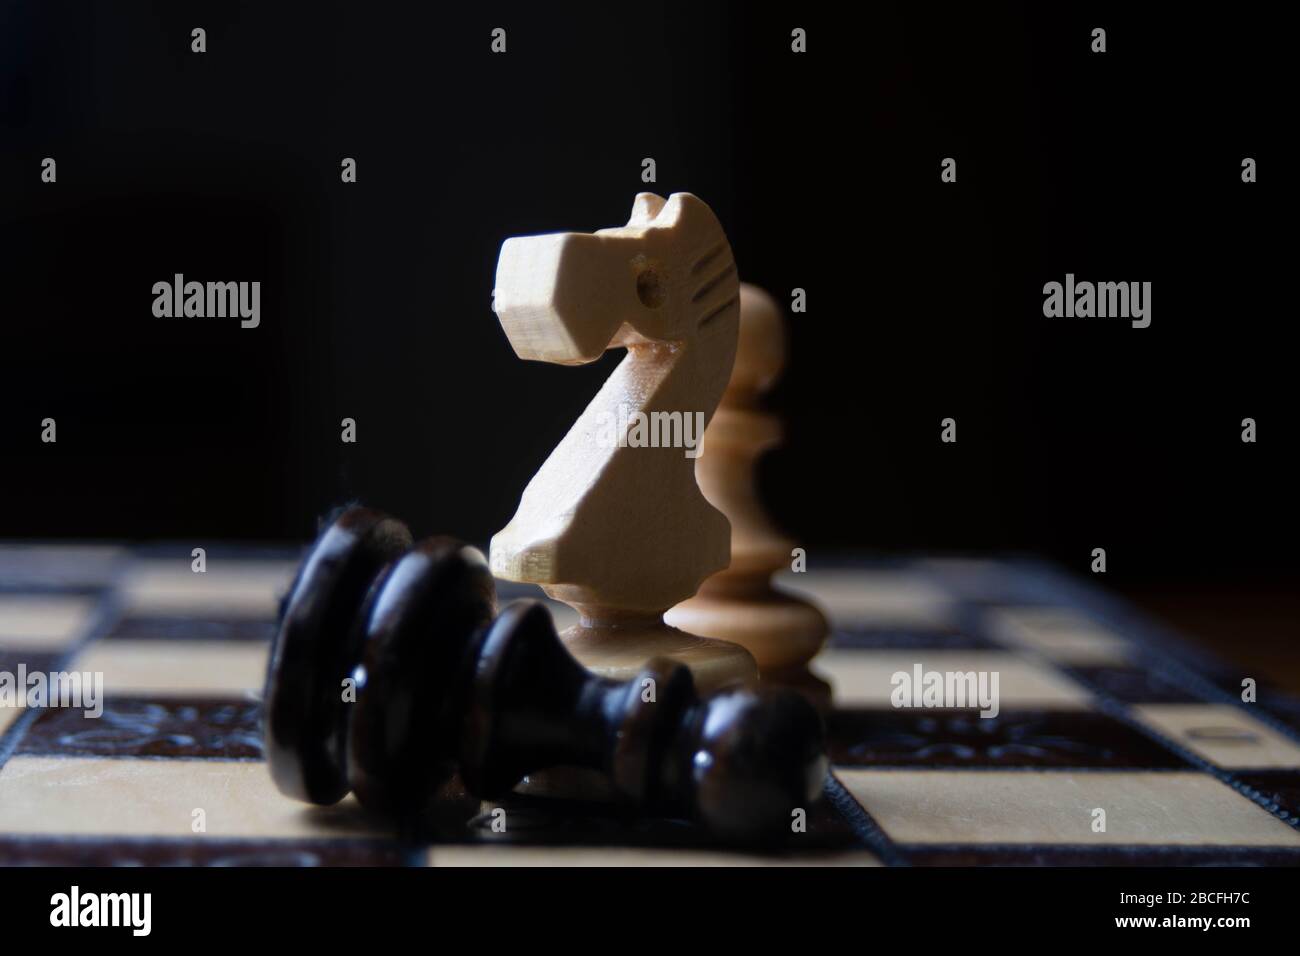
1222, 734
140, 797
874, 598
1060, 634
177, 669
43, 622
60, 565
526, 856
863, 679
973, 579
228, 588
1143, 807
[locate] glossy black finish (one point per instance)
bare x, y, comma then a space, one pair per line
750, 759
442, 686
315, 648
418, 622
739, 761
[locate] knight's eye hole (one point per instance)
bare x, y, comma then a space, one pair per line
650, 287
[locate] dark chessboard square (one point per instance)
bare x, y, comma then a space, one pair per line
151, 628
1228, 680
208, 851
62, 589
893, 638
129, 727
962, 738
1282, 706
59, 569
1133, 685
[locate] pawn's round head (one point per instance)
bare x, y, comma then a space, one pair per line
761, 350
759, 756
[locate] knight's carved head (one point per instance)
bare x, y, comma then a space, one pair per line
664, 277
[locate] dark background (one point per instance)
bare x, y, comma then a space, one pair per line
924, 298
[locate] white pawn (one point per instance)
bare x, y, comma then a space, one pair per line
739, 604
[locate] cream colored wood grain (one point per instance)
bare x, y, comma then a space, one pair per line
1223, 734
943, 806
622, 533
177, 668
136, 797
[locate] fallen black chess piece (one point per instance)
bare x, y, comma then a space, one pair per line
390, 671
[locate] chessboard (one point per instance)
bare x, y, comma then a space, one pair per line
1114, 741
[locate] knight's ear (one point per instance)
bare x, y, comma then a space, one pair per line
645, 209
685, 214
